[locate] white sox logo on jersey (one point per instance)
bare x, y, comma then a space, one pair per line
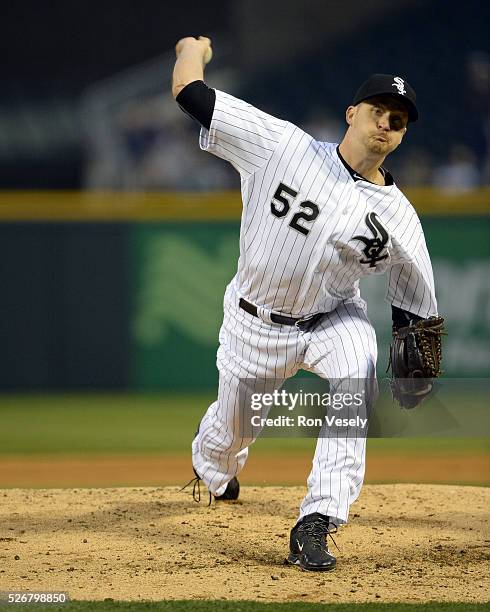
399, 83
375, 246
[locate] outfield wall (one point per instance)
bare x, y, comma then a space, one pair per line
112, 291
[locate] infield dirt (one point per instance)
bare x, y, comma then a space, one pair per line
403, 543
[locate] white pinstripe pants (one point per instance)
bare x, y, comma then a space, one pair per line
341, 346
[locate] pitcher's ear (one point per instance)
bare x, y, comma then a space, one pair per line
349, 114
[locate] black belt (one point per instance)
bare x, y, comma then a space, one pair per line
302, 323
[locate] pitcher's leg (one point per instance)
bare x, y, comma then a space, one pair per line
336, 477
251, 353
343, 350
220, 449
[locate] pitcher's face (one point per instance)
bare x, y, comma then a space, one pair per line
378, 123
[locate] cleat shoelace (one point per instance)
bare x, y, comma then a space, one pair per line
318, 532
196, 489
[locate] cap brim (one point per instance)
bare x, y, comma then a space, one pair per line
412, 111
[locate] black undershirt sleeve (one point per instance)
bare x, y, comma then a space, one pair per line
402, 318
197, 100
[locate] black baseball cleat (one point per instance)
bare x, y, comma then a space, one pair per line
308, 543
232, 491
230, 494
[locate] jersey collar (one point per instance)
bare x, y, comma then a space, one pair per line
357, 177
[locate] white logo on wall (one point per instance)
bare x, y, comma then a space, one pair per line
466, 348
181, 287
399, 83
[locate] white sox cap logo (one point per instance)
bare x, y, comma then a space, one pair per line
381, 84
399, 83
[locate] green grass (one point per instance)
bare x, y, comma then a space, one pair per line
107, 423
158, 423
103, 423
250, 606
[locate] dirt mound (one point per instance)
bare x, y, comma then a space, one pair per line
404, 543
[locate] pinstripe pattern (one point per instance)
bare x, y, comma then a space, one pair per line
342, 348
296, 261
249, 348
283, 270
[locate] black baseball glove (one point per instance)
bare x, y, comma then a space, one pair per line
415, 359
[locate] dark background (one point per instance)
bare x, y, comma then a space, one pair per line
290, 59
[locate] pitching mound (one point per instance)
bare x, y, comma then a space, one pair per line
404, 543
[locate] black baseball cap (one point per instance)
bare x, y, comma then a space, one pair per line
389, 84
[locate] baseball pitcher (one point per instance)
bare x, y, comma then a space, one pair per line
317, 217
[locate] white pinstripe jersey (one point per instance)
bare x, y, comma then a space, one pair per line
309, 231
